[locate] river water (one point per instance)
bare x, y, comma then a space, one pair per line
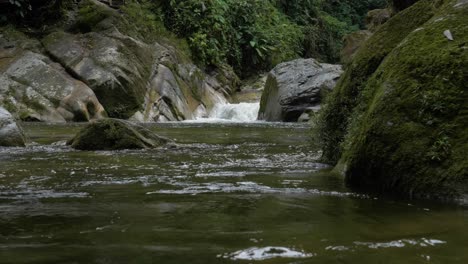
228, 193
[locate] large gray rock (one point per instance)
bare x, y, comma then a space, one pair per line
294, 87
84, 69
114, 65
39, 89
11, 134
134, 79
115, 134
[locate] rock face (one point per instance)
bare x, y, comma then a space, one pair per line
115, 134
294, 87
99, 65
40, 89
11, 134
397, 122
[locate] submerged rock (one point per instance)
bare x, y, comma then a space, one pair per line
11, 134
115, 134
293, 87
397, 122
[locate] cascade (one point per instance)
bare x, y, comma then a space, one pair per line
225, 112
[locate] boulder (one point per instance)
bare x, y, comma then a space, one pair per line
99, 64
115, 134
11, 134
134, 76
293, 87
39, 89
397, 122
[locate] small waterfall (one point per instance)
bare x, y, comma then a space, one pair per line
242, 112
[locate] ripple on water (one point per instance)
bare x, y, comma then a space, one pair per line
247, 187
423, 242
401, 243
256, 253
41, 194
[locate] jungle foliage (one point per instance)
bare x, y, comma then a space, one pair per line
249, 35
255, 35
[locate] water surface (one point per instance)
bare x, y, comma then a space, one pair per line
229, 193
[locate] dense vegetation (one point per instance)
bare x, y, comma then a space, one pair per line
249, 35
254, 35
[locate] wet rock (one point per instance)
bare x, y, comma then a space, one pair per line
294, 86
115, 134
11, 134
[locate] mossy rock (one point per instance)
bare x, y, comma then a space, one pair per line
339, 107
115, 134
408, 129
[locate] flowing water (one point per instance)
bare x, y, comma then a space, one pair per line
228, 193
232, 113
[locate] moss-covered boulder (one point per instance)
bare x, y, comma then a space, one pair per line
115, 134
398, 119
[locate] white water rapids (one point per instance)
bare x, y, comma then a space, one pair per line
225, 112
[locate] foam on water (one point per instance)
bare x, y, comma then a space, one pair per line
256, 253
240, 113
246, 187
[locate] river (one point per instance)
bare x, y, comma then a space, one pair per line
228, 193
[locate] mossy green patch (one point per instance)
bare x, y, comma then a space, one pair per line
114, 134
406, 125
90, 14
339, 107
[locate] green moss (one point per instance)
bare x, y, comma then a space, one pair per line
340, 105
113, 134
90, 14
408, 125
140, 22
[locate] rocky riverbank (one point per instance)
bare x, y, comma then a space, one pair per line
95, 65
